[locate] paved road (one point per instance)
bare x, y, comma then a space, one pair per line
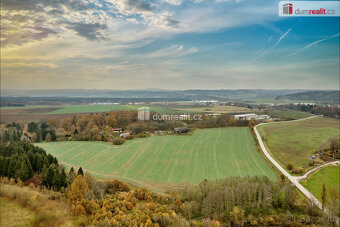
316, 168
293, 179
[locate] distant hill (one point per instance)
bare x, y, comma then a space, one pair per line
316, 96
152, 93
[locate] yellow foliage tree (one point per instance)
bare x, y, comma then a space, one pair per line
78, 209
237, 216
78, 190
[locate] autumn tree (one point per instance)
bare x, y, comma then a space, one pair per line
78, 189
52, 122
236, 216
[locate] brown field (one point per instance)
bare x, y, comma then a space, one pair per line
38, 110
8, 117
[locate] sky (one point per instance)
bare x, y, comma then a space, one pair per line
165, 44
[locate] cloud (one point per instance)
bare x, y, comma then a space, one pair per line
282, 37
173, 51
314, 43
174, 2
139, 5
89, 31
264, 51
26, 34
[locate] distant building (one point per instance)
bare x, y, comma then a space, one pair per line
215, 115
304, 103
245, 116
251, 116
119, 130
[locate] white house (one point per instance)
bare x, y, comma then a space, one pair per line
245, 116
251, 116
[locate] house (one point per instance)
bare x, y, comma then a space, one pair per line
118, 130
127, 134
181, 130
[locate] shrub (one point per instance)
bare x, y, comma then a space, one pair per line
118, 141
289, 166
143, 135
297, 170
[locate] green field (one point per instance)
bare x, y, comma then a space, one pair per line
330, 176
13, 214
295, 142
290, 115
216, 109
208, 154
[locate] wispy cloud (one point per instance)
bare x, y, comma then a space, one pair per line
314, 43
264, 51
173, 51
282, 37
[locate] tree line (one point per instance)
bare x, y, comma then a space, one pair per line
105, 127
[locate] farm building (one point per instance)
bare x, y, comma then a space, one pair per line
245, 116
181, 130
120, 130
251, 116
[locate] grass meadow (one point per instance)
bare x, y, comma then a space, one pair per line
296, 142
290, 115
168, 160
13, 214
330, 176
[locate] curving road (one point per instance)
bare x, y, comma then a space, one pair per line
293, 179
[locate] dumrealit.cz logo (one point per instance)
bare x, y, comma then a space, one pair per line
144, 113
287, 8
309, 8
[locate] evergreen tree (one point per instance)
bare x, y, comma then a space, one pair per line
29, 168
55, 161
63, 178
11, 168
71, 171
23, 172
38, 137
53, 135
56, 181
44, 176
50, 175
32, 127
80, 171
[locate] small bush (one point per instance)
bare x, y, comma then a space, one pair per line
289, 166
118, 141
143, 135
297, 170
